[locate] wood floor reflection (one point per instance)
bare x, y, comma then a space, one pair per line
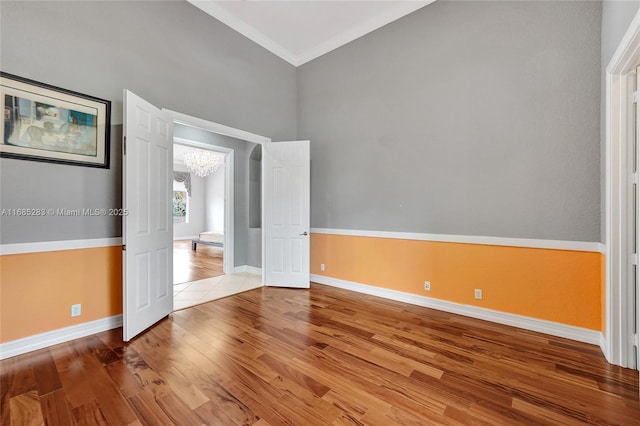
193, 265
274, 356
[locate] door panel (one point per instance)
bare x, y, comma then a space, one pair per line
286, 213
148, 257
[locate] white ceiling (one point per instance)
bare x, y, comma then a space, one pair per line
299, 31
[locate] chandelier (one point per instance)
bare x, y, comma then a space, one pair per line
202, 163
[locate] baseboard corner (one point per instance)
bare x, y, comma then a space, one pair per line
247, 268
604, 346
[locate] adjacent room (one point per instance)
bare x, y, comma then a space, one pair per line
199, 209
320, 212
198, 222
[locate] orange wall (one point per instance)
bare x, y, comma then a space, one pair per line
38, 289
555, 285
603, 294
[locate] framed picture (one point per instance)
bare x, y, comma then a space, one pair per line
46, 123
180, 206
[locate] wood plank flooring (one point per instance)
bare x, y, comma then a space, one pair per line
322, 356
193, 265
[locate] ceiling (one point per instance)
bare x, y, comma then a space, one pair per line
180, 150
300, 31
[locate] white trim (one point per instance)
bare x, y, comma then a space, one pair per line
247, 268
603, 346
61, 335
263, 237
618, 303
45, 246
229, 19
471, 239
229, 195
627, 53
203, 145
228, 260
542, 326
211, 126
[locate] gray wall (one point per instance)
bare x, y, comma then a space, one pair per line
168, 52
214, 190
242, 151
470, 118
255, 187
616, 17
254, 247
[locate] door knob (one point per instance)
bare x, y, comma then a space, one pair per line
304, 233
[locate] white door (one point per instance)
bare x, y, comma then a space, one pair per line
635, 282
286, 179
147, 226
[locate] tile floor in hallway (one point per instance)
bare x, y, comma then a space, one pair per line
201, 291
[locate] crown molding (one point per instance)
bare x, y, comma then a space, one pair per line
354, 33
230, 20
378, 21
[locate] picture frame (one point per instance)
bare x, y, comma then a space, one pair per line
180, 206
41, 122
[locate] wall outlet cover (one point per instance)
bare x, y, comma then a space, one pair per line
76, 310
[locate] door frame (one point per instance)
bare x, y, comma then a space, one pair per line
211, 126
229, 205
618, 345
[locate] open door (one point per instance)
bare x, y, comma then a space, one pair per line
147, 226
286, 180
635, 280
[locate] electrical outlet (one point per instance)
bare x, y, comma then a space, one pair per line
427, 286
478, 293
322, 267
76, 310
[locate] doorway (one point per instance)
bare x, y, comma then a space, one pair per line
203, 250
198, 207
148, 136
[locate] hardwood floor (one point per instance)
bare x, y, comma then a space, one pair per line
193, 265
322, 356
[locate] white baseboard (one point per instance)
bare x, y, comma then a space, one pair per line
50, 338
542, 326
192, 237
604, 347
247, 268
